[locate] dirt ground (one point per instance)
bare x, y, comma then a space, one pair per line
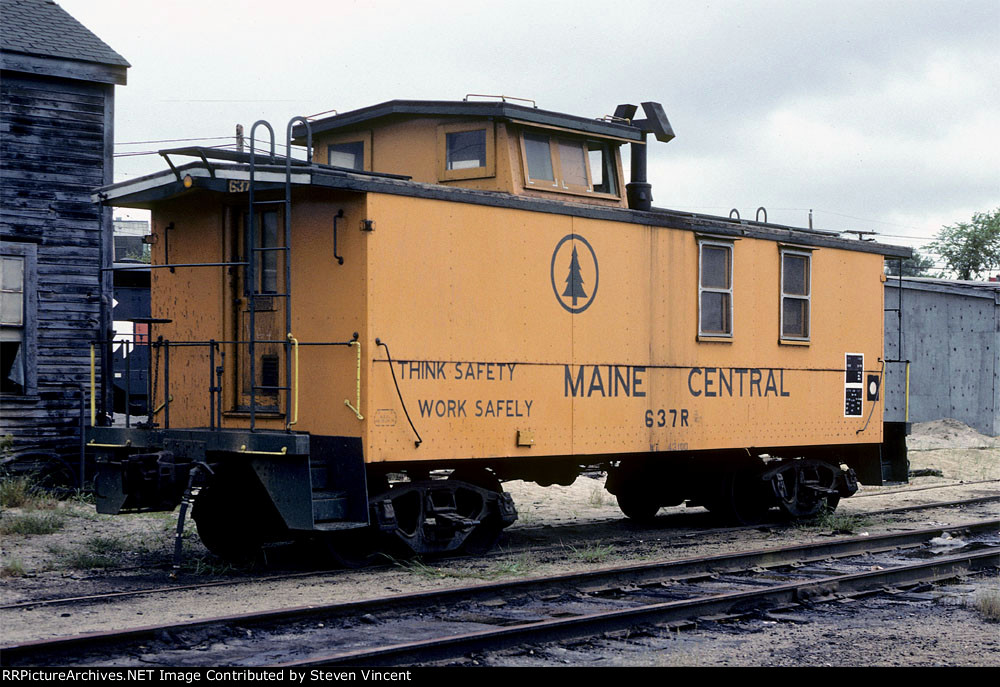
559, 529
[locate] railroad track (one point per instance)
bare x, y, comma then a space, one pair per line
442, 624
257, 579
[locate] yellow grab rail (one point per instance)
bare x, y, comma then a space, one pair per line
94, 444
356, 408
163, 405
295, 413
282, 452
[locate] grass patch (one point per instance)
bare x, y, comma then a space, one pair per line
106, 546
16, 492
22, 492
31, 523
987, 602
86, 560
507, 566
837, 523
598, 497
592, 553
209, 566
12, 568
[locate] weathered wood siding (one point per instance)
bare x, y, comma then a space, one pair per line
55, 149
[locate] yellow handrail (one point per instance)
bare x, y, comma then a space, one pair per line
93, 386
295, 413
282, 452
356, 408
94, 444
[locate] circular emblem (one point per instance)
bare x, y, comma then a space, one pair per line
574, 273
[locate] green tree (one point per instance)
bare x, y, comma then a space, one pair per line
971, 249
917, 266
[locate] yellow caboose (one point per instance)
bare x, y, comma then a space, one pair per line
473, 287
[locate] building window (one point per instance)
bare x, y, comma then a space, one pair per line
795, 295
715, 290
566, 164
18, 306
465, 151
349, 155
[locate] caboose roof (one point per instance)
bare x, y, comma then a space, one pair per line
213, 176
620, 129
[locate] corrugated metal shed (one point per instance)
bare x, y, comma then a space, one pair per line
951, 335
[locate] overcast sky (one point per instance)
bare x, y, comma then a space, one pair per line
880, 116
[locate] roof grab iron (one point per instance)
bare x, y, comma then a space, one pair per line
501, 98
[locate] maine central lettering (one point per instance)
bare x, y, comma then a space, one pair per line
613, 381
736, 381
604, 380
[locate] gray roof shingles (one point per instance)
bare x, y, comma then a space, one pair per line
41, 27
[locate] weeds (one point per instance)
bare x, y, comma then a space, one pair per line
511, 565
22, 492
987, 602
598, 496
837, 523
12, 568
15, 492
31, 523
592, 553
507, 566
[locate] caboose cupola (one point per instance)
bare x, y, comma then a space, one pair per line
492, 146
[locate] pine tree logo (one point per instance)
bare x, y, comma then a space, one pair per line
575, 268
574, 282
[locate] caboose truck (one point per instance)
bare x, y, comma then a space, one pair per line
360, 347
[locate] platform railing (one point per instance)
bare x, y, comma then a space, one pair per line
162, 351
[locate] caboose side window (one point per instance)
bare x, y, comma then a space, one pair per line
795, 295
539, 158
568, 164
715, 290
602, 167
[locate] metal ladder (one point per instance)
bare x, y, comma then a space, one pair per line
250, 285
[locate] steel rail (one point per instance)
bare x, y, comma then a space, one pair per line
837, 586
321, 573
594, 581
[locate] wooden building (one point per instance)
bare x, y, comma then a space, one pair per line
57, 92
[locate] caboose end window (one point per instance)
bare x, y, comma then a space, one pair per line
350, 155
715, 290
796, 275
465, 151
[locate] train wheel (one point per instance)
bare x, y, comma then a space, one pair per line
742, 497
806, 487
226, 525
638, 505
351, 548
486, 534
